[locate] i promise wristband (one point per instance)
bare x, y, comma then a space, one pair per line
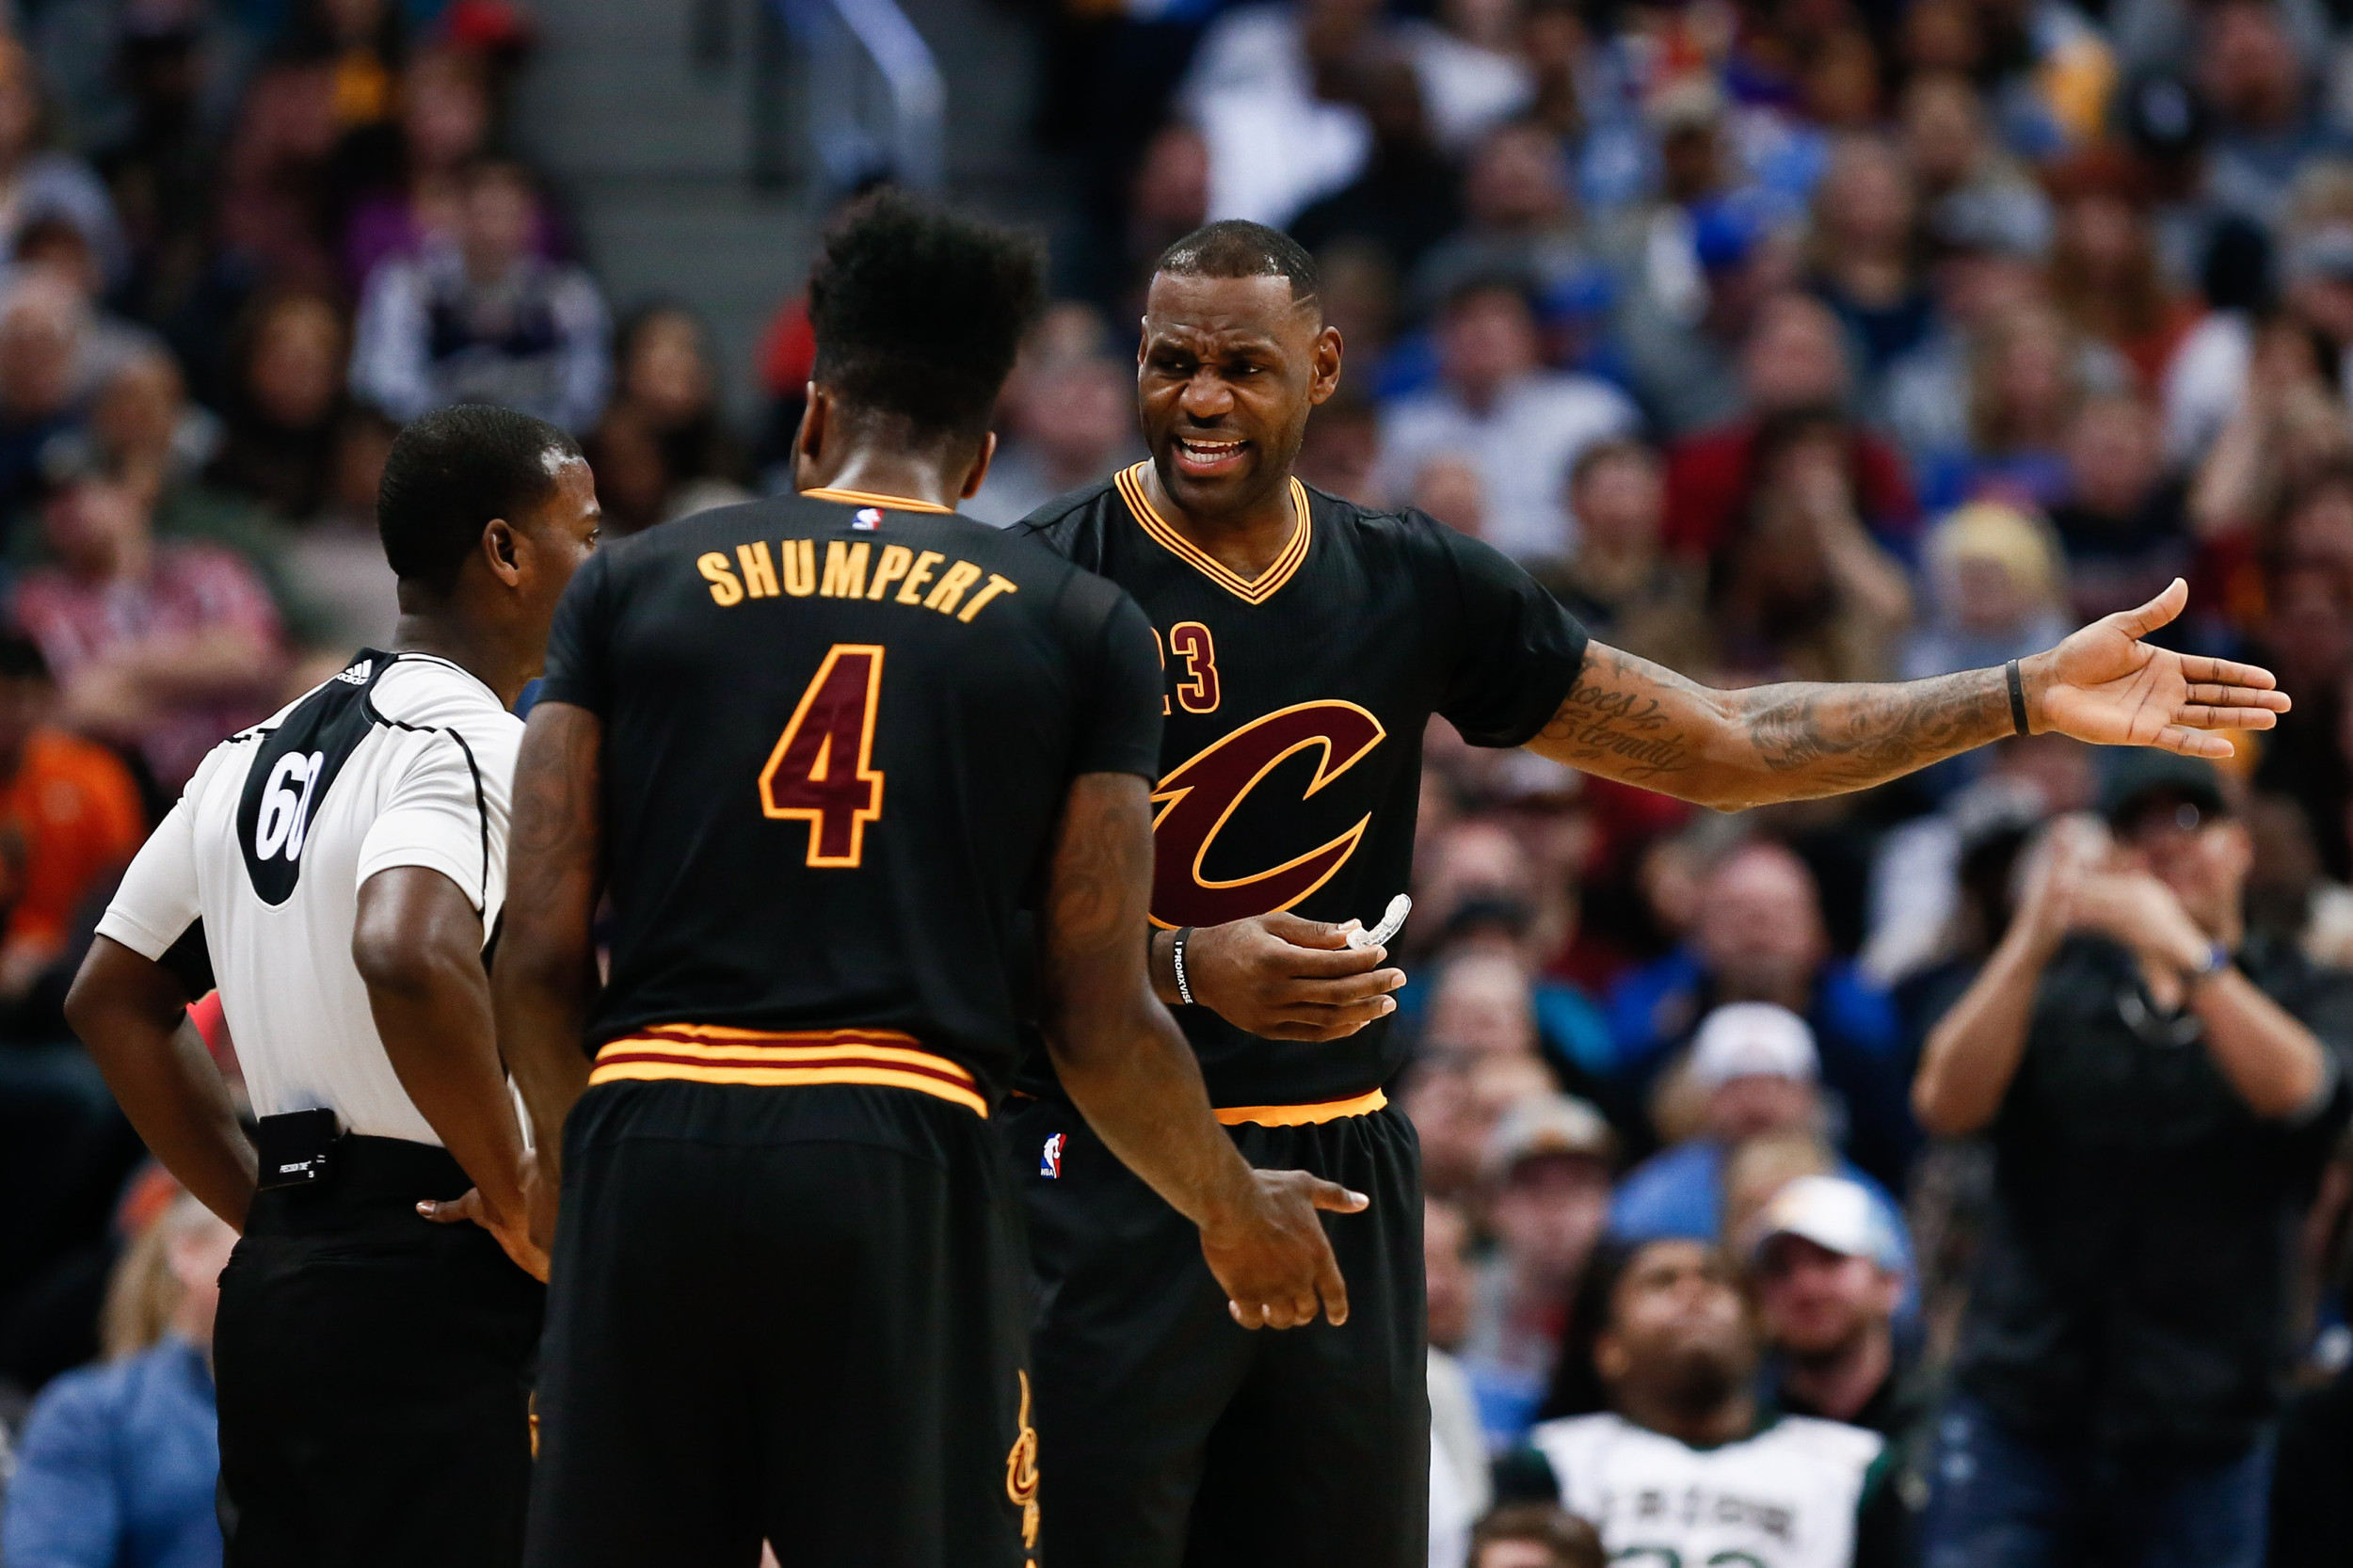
2017, 697
1176, 954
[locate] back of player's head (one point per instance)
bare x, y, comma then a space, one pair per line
917, 313
1233, 248
450, 473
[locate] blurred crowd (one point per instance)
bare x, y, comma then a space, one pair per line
1781, 340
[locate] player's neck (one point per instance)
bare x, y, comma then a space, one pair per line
870, 472
1245, 542
480, 652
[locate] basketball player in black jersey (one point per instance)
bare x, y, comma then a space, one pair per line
826, 751
1307, 640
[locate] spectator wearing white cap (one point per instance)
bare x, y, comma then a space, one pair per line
1826, 1269
1754, 1066
1547, 1166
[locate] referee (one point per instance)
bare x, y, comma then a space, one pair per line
338, 871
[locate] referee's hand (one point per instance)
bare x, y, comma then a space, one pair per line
512, 1231
1274, 1259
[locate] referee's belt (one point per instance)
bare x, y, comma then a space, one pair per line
706, 1053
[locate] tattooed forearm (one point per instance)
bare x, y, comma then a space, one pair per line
1845, 737
545, 976
1633, 721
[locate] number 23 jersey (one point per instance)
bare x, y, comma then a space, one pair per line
838, 737
1291, 767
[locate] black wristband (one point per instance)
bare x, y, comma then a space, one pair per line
1177, 957
2017, 697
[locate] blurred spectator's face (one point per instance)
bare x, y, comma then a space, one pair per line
1943, 36
2030, 380
1983, 597
1842, 84
1760, 927
1795, 358
1943, 130
2115, 456
65, 253
2201, 857
360, 448
2308, 629
2248, 68
2320, 530
1079, 415
1486, 341
1691, 162
1816, 1302
1476, 860
445, 112
95, 525
2325, 303
20, 102
40, 341
1482, 1008
1518, 181
496, 222
1755, 1104
297, 371
1618, 505
1973, 288
1866, 200
1448, 488
138, 413
1676, 1329
1550, 1211
1446, 1263
196, 1255
631, 479
1340, 452
2062, 770
666, 375
2102, 234
1451, 1126
1172, 188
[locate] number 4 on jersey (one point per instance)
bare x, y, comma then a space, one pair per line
821, 771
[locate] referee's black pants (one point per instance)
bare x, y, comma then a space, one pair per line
375, 1375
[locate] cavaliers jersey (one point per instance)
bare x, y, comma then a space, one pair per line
1291, 769
838, 735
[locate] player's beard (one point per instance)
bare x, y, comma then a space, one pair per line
1701, 1379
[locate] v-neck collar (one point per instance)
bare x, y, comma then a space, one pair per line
1250, 590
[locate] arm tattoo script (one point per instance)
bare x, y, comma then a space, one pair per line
1628, 719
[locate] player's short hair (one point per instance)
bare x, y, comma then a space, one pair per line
1234, 247
919, 313
1568, 1540
453, 470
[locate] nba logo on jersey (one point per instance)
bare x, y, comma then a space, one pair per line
868, 519
1050, 1162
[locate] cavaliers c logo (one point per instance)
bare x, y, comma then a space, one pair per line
1201, 796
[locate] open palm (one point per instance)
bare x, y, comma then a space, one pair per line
2107, 687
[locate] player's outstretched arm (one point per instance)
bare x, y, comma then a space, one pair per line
132, 1015
545, 976
1634, 721
418, 945
1128, 1068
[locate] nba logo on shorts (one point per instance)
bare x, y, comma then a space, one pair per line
1049, 1163
868, 519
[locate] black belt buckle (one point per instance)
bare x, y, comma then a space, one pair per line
297, 1147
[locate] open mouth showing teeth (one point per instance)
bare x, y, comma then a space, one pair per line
1196, 452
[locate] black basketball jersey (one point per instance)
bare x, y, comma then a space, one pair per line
837, 736
1291, 771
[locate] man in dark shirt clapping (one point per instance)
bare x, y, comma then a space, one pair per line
2161, 1091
